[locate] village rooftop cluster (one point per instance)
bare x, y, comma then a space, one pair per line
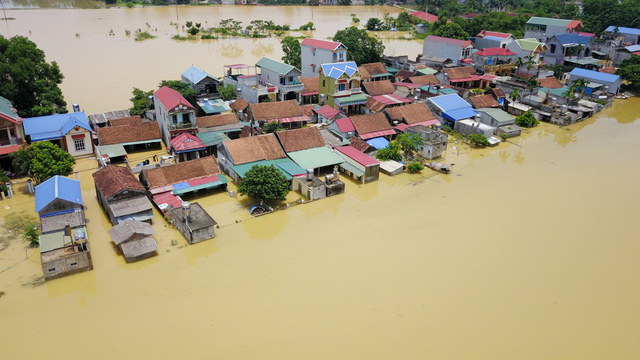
336, 115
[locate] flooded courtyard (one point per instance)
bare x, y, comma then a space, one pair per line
527, 250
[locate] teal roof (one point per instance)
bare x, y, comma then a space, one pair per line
354, 99
212, 138
315, 157
274, 65
528, 44
57, 240
111, 151
500, 116
392, 70
547, 21
6, 109
221, 181
427, 71
381, 75
286, 166
555, 92
354, 170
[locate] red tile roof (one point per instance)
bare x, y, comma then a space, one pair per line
186, 142
501, 35
440, 39
357, 155
321, 44
171, 98
345, 125
495, 51
575, 24
110, 180
424, 16
327, 111
551, 82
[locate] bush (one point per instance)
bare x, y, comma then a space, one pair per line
478, 140
193, 30
504, 136
144, 36
415, 167
527, 120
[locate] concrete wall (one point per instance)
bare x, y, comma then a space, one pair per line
451, 51
67, 265
467, 127
613, 86
543, 35
86, 139
321, 56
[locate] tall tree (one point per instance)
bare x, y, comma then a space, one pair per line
363, 49
28, 80
265, 183
451, 30
140, 101
630, 70
292, 51
45, 160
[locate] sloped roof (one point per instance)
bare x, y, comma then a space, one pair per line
403, 74
375, 105
128, 134
321, 44
424, 16
54, 126
239, 104
336, 70
345, 125
495, 51
8, 112
542, 21
608, 70
372, 69
171, 98
623, 30
595, 75
449, 102
315, 157
411, 114
195, 75
186, 142
359, 144
551, 82
58, 187
566, 39
370, 123
497, 92
216, 120
374, 88
357, 155
112, 179
528, 44
128, 228
180, 172
444, 40
460, 72
300, 139
500, 35
311, 85
327, 112
254, 148
424, 79
130, 120
307, 110
276, 66
484, 101
275, 110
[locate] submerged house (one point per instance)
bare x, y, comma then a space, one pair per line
288, 113
64, 249
121, 195
287, 78
358, 165
11, 133
434, 142
116, 141
340, 85
202, 83
134, 239
306, 148
374, 129
405, 116
185, 147
315, 52
450, 108
174, 114
69, 131
236, 157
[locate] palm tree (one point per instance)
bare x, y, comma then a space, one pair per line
514, 95
519, 63
580, 84
530, 62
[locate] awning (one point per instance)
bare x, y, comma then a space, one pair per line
427, 71
355, 99
310, 93
152, 141
381, 75
112, 151
291, 119
378, 143
459, 114
352, 169
599, 53
377, 134
315, 158
166, 199
208, 182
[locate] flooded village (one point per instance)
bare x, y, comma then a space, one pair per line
382, 240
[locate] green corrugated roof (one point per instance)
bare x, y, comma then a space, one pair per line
221, 181
6, 108
499, 115
547, 21
352, 99
555, 92
212, 138
57, 240
427, 71
381, 75
392, 70
286, 166
315, 158
528, 44
274, 65
114, 150
354, 170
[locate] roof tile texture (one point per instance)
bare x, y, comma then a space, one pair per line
379, 87
300, 139
411, 114
254, 148
112, 179
216, 120
275, 110
188, 170
369, 123
130, 133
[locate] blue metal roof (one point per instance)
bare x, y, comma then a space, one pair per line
573, 39
459, 114
595, 75
54, 126
450, 102
623, 30
58, 187
493, 38
195, 75
632, 48
335, 70
378, 143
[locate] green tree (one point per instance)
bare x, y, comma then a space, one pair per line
630, 71
375, 24
193, 30
478, 140
292, 51
527, 120
28, 80
391, 152
228, 92
46, 160
344, 2
415, 167
4, 179
409, 143
140, 101
580, 85
514, 95
272, 127
184, 89
265, 183
363, 49
451, 30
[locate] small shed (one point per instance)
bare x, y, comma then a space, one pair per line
309, 186
391, 167
193, 222
469, 126
358, 165
134, 239
495, 117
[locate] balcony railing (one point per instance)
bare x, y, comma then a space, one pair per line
183, 126
291, 87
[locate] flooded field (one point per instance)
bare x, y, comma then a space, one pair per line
526, 251
101, 70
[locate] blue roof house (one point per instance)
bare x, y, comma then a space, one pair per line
339, 83
58, 195
597, 80
450, 108
204, 84
69, 131
629, 35
563, 46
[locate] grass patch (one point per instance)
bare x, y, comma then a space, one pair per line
141, 36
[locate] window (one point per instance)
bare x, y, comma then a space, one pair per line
52, 270
341, 87
79, 144
323, 83
73, 264
553, 48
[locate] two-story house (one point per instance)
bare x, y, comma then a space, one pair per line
340, 86
561, 47
494, 60
542, 29
442, 47
492, 39
69, 131
286, 77
525, 48
11, 134
315, 52
174, 114
205, 85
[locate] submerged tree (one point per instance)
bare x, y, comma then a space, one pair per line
527, 120
409, 143
140, 101
265, 183
630, 71
45, 160
27, 80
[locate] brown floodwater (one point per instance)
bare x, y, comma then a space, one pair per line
101, 70
528, 250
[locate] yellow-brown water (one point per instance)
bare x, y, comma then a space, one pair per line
526, 251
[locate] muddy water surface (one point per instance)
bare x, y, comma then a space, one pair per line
528, 250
